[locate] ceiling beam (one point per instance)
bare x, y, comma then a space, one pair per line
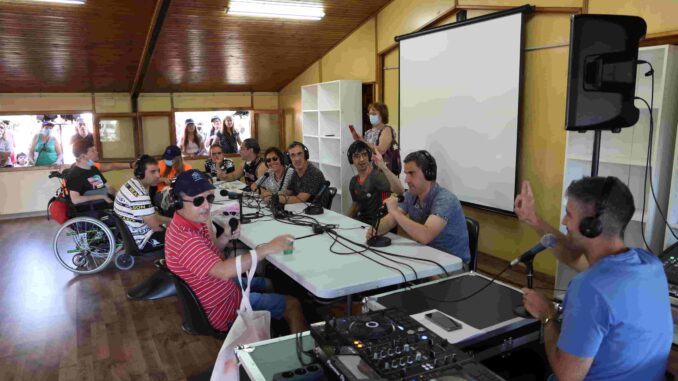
161, 9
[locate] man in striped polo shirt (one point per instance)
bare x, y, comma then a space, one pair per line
133, 206
194, 254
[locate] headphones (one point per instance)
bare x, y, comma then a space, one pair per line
592, 227
140, 166
294, 144
431, 170
175, 200
358, 145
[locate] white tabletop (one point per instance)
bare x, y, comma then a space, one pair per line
331, 275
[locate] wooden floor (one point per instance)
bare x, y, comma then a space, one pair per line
55, 325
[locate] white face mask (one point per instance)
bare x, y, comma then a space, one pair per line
46, 131
168, 162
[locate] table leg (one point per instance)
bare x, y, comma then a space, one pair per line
349, 304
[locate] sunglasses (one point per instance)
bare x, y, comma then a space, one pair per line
227, 213
201, 200
270, 159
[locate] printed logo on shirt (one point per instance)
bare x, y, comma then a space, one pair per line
96, 182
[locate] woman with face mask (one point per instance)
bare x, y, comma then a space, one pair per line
381, 137
171, 165
45, 148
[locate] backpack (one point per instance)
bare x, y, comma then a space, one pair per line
57, 208
392, 154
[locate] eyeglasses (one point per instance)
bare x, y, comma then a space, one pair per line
198, 201
358, 155
297, 154
270, 159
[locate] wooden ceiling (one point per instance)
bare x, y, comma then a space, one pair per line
98, 47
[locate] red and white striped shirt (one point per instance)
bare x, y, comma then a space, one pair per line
191, 254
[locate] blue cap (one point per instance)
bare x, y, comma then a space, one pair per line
188, 121
47, 123
192, 183
171, 152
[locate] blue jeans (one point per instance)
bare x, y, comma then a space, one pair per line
263, 300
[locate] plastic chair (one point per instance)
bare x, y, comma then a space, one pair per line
473, 228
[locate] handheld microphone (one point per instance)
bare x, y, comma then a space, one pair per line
379, 240
223, 193
384, 210
227, 166
547, 241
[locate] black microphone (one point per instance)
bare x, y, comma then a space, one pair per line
233, 223
316, 208
379, 240
263, 178
317, 198
384, 210
547, 241
223, 192
227, 166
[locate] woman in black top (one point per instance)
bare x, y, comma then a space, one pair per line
228, 137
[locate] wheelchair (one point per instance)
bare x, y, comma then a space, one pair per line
91, 236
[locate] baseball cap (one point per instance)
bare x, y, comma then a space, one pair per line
171, 152
47, 123
215, 118
192, 183
188, 121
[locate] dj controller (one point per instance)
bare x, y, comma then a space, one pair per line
390, 345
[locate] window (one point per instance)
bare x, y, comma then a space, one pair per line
21, 131
207, 124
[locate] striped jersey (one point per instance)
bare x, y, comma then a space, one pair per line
132, 204
191, 254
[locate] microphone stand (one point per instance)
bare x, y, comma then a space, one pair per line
520, 310
243, 219
378, 240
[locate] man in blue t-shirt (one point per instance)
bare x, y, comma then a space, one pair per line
429, 214
616, 322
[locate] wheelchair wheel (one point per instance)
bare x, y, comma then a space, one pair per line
84, 245
124, 261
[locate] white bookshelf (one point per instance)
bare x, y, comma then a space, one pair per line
328, 109
624, 154
672, 214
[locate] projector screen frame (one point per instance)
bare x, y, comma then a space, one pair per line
522, 9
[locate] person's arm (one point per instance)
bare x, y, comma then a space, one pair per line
385, 225
77, 198
565, 251
296, 199
385, 140
422, 233
155, 221
565, 366
31, 150
226, 270
353, 210
393, 181
235, 175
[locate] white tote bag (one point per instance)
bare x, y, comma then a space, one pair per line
249, 327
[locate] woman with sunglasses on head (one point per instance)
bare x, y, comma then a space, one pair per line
279, 175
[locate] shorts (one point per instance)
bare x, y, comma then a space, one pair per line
263, 301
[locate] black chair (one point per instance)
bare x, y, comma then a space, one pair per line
331, 192
159, 285
473, 228
195, 320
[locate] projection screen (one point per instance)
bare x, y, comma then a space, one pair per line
459, 99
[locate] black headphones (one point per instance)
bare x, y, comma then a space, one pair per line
592, 227
431, 170
356, 146
294, 144
175, 200
140, 166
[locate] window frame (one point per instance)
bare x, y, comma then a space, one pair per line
96, 118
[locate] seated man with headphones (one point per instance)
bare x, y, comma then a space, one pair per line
616, 322
133, 205
252, 166
307, 180
369, 187
429, 213
196, 256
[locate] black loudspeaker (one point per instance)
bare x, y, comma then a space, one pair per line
307, 155
311, 372
140, 167
431, 170
356, 146
592, 227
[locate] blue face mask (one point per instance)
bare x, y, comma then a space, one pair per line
90, 163
168, 162
374, 119
46, 131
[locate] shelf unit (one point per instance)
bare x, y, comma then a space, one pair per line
672, 214
624, 154
327, 110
